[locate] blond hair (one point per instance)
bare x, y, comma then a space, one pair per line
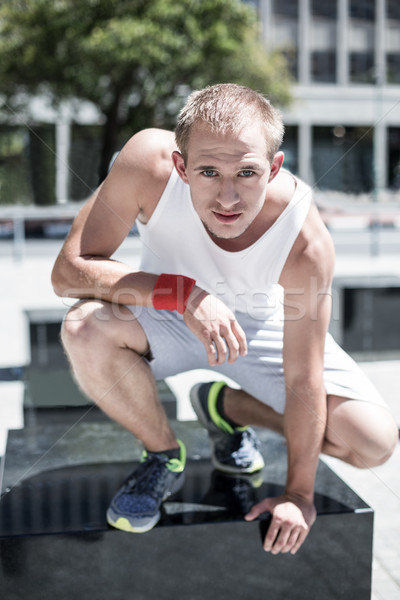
227, 108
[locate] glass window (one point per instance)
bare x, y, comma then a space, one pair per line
323, 67
287, 8
393, 68
362, 9
393, 9
362, 67
324, 8
290, 148
394, 158
342, 158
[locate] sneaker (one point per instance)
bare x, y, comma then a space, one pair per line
136, 505
233, 449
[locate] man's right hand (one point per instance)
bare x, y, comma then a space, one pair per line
215, 325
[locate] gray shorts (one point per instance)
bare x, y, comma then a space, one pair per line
175, 349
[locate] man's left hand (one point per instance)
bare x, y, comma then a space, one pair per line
292, 518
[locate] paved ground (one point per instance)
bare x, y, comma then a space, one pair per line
26, 285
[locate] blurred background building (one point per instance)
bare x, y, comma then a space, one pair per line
345, 58
342, 127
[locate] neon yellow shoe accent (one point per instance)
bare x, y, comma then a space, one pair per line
257, 465
213, 394
177, 465
123, 524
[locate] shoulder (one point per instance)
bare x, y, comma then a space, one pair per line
154, 144
144, 165
282, 187
312, 254
148, 153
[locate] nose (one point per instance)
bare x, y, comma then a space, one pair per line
227, 194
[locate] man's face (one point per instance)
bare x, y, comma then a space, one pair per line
228, 176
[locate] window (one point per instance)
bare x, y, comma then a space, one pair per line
394, 158
362, 67
362, 9
286, 8
393, 68
342, 158
393, 9
324, 8
323, 67
289, 147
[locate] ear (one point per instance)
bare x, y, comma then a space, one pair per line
180, 166
276, 165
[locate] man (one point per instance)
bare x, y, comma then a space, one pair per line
235, 276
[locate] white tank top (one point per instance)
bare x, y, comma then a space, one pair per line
175, 241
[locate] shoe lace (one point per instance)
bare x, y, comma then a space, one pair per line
149, 476
239, 445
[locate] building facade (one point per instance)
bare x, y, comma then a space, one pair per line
343, 127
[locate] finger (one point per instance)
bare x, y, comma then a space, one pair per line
210, 349
240, 336
281, 539
232, 344
221, 349
302, 536
272, 535
291, 540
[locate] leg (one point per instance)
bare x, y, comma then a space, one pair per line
106, 345
360, 433
244, 409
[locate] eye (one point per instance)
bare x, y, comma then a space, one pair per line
246, 173
209, 173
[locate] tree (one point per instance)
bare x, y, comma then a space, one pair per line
134, 59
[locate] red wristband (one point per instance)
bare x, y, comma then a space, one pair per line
171, 292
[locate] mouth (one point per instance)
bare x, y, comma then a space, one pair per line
226, 217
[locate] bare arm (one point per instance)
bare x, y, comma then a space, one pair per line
84, 268
307, 284
306, 279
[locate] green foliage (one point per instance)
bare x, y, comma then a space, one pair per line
130, 57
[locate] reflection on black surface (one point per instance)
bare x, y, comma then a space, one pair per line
83, 558
75, 499
228, 497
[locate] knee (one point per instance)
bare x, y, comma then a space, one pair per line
362, 434
81, 325
386, 444
377, 449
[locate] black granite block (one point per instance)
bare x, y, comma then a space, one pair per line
54, 539
55, 542
223, 561
52, 439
